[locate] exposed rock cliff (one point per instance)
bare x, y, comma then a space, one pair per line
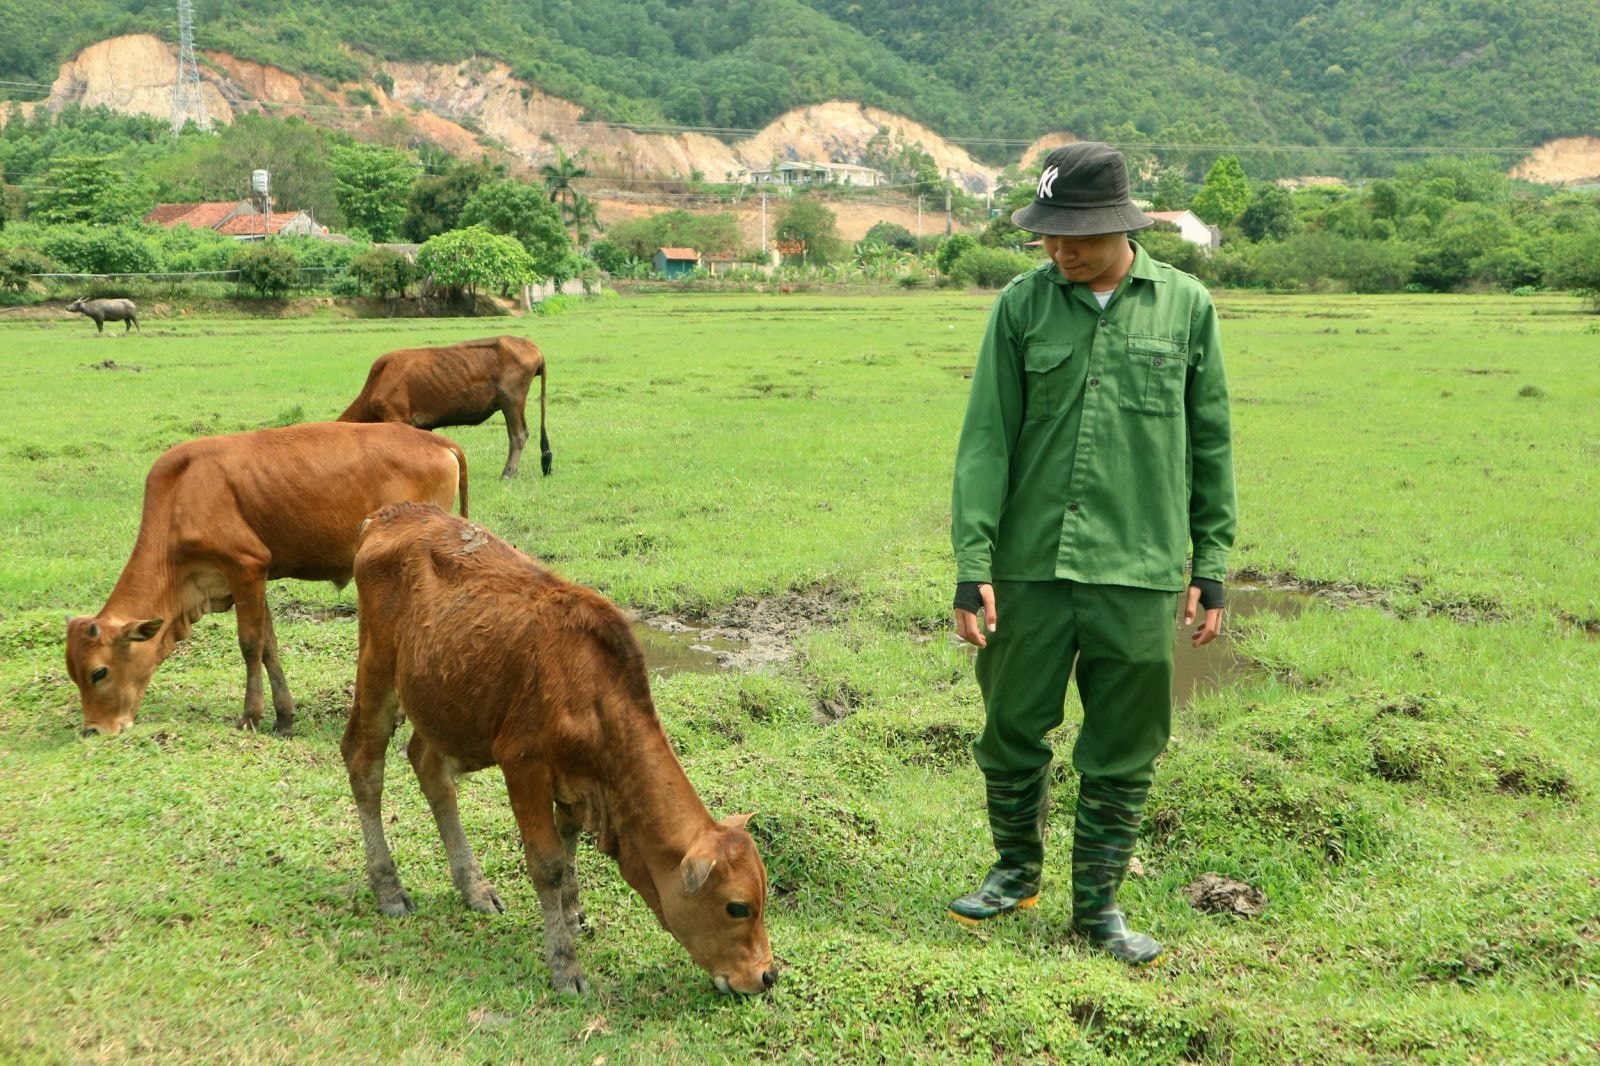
1570, 160
467, 103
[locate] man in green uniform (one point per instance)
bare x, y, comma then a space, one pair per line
1096, 450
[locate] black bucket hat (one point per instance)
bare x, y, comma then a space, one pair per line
1083, 192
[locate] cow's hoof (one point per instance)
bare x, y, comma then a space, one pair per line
250, 725
397, 906
571, 984
283, 728
486, 902
578, 922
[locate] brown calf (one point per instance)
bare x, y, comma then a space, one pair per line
225, 515
458, 385
494, 660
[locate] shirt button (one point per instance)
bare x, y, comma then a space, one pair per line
1103, 322
1156, 361
1072, 507
1094, 383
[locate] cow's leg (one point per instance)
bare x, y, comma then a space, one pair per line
373, 718
99, 325
282, 699
529, 786
249, 590
438, 778
516, 434
571, 909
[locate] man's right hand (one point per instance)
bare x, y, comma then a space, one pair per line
967, 623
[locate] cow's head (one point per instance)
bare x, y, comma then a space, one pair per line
111, 662
718, 910
77, 305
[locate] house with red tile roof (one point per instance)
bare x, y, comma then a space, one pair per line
241, 220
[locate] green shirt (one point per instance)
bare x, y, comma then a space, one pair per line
1096, 445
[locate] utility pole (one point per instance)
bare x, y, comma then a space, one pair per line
764, 249
187, 102
919, 218
947, 221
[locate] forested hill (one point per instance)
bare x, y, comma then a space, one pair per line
992, 74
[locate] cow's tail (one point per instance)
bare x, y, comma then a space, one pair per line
461, 475
544, 441
360, 409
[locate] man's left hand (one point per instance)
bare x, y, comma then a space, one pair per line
1210, 628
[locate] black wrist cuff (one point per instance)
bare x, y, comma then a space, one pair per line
1210, 591
967, 597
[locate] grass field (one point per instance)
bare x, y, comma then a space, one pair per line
1410, 774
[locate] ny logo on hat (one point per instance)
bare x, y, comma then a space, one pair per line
1047, 181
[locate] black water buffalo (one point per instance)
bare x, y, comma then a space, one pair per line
103, 311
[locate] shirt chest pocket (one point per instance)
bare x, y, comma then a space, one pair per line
1050, 371
1153, 375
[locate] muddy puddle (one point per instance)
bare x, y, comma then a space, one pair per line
748, 634
1197, 671
674, 647
763, 633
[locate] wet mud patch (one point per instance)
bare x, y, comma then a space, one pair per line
748, 634
1340, 594
300, 611
112, 364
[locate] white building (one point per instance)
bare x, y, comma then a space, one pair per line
1190, 228
803, 172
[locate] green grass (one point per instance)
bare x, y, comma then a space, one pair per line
1410, 775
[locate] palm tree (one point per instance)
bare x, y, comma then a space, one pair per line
585, 218
559, 175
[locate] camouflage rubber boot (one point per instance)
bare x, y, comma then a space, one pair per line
1017, 809
1102, 843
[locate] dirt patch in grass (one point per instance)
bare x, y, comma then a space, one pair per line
1341, 594
300, 611
759, 631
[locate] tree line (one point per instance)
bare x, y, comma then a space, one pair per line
76, 185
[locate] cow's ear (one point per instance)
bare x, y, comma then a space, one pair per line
695, 870
134, 632
736, 821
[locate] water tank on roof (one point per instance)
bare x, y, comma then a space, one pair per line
258, 182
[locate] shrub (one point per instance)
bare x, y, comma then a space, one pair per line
467, 260
266, 269
382, 272
990, 268
1168, 245
97, 249
893, 234
951, 250
610, 256
183, 249
17, 263
1576, 266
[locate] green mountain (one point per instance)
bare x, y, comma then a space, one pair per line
989, 74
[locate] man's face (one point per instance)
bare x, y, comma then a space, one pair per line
1098, 261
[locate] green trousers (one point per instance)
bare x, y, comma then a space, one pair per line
1120, 639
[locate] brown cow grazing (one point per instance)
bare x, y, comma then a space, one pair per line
458, 385
225, 515
494, 660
